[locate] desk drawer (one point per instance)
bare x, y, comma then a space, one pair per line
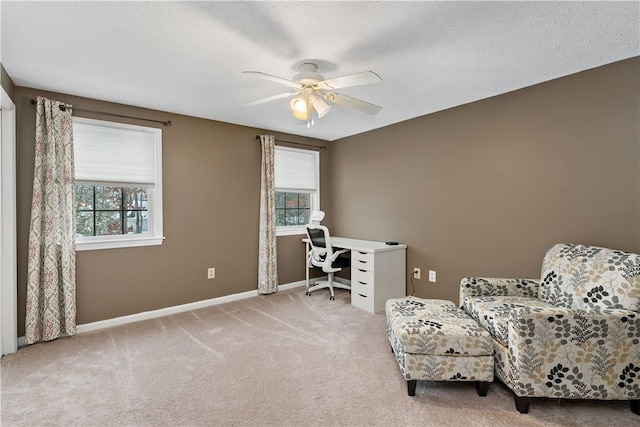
362, 288
362, 260
362, 301
362, 276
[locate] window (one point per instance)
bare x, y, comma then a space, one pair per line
118, 184
297, 182
104, 211
292, 208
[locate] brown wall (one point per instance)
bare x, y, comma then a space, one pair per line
7, 83
486, 188
481, 189
211, 180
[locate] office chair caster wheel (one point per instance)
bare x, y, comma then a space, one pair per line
308, 294
331, 298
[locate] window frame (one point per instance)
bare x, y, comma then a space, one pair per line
314, 196
154, 236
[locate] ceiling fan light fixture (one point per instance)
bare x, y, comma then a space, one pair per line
298, 105
300, 116
299, 108
321, 107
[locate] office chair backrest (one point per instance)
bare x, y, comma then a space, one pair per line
316, 235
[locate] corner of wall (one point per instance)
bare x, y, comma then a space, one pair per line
7, 83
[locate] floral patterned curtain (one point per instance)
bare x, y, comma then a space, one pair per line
267, 256
51, 273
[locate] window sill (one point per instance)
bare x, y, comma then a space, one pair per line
114, 242
290, 231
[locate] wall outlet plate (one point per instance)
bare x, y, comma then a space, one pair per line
211, 273
432, 276
416, 273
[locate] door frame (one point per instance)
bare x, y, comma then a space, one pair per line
8, 248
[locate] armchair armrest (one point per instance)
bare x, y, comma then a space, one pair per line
484, 287
565, 352
568, 325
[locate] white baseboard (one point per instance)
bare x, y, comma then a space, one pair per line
292, 285
145, 315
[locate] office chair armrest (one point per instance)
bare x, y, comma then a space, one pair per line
337, 254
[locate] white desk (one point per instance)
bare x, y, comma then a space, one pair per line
377, 271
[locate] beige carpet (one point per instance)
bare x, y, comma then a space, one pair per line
282, 359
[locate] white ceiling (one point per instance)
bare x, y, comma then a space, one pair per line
187, 57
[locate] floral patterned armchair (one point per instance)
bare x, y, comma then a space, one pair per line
575, 333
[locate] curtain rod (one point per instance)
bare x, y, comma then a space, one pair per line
321, 147
84, 110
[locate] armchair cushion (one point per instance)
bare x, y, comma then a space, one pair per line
492, 312
481, 286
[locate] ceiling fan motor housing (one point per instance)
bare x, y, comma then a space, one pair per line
308, 75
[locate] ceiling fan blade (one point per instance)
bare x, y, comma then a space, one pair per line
270, 98
272, 78
348, 101
364, 78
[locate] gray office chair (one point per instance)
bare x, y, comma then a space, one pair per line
321, 255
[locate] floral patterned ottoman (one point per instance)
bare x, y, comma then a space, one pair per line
433, 340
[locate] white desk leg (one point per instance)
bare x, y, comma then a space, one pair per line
306, 263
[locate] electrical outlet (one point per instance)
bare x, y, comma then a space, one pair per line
416, 273
432, 276
211, 273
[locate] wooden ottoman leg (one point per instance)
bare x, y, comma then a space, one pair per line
411, 387
522, 404
635, 406
482, 387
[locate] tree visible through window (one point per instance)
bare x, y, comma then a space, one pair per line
102, 210
292, 208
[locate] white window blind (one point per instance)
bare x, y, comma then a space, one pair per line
296, 170
110, 154
114, 155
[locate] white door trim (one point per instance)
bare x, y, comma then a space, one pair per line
8, 261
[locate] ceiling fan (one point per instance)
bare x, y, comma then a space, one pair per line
311, 90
